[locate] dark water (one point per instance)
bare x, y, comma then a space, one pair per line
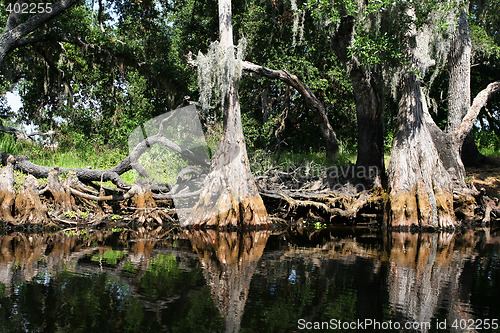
255, 282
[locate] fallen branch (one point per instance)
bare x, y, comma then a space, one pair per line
113, 175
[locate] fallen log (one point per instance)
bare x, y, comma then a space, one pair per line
113, 175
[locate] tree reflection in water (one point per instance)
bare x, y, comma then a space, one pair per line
229, 260
424, 272
211, 282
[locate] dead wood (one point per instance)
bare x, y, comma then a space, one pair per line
113, 175
325, 206
7, 191
146, 206
28, 206
489, 206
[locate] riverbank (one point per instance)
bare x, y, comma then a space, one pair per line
304, 194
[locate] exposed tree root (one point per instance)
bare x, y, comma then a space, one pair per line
28, 206
146, 206
71, 202
490, 206
7, 192
62, 200
326, 206
113, 174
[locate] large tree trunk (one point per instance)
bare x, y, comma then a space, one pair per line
368, 93
459, 96
425, 165
369, 113
230, 197
421, 188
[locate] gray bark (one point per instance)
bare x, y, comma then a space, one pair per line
426, 168
459, 59
14, 31
7, 191
421, 188
459, 99
460, 133
369, 97
229, 197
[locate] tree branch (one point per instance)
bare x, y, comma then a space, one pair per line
113, 174
12, 34
311, 101
13, 19
479, 101
14, 131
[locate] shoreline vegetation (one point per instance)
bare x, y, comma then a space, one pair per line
302, 192
200, 96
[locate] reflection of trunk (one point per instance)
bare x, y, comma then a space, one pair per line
230, 196
423, 271
421, 188
229, 261
368, 93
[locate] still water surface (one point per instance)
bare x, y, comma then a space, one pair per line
104, 281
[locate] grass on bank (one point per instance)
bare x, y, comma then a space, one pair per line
39, 154
108, 158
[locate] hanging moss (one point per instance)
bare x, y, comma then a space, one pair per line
218, 69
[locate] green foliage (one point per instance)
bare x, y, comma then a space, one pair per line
135, 69
110, 257
74, 232
163, 277
374, 49
488, 143
484, 44
8, 144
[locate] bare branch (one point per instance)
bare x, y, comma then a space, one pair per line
465, 127
310, 98
113, 174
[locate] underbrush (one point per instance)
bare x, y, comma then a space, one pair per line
97, 158
102, 157
488, 143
